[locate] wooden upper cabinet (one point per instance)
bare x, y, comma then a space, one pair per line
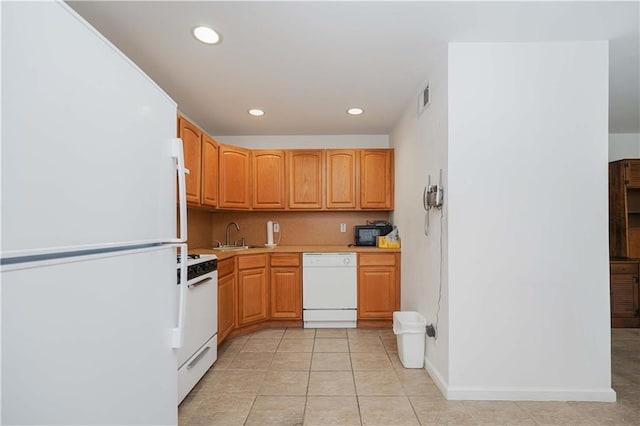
341, 178
191, 140
209, 171
305, 173
376, 179
268, 179
632, 173
234, 174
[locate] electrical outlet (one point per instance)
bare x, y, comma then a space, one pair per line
276, 227
343, 227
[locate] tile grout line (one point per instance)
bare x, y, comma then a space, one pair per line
255, 398
353, 374
306, 394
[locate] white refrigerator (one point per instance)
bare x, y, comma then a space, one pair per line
91, 318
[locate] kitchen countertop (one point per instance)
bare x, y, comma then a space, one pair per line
293, 249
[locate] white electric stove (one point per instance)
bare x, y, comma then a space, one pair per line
200, 346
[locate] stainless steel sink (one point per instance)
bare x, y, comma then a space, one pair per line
234, 248
230, 248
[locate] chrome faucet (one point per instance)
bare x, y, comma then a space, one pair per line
227, 242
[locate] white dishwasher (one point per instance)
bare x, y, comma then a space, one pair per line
329, 290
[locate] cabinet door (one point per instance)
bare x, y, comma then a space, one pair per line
632, 173
376, 179
191, 139
226, 304
377, 295
624, 296
268, 185
234, 177
209, 171
252, 296
341, 179
305, 170
286, 293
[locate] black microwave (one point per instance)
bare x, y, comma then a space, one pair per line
367, 235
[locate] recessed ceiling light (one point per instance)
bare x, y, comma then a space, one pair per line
355, 111
206, 35
256, 112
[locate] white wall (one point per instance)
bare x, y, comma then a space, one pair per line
306, 141
624, 145
420, 144
528, 230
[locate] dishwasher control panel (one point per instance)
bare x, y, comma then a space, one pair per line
324, 260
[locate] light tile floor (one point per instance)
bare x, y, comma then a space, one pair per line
354, 377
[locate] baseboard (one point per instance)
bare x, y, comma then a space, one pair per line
531, 394
463, 393
442, 384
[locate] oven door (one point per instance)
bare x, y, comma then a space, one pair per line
201, 314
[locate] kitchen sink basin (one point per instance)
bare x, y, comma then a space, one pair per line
230, 248
234, 248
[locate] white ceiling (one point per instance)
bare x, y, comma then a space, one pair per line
305, 63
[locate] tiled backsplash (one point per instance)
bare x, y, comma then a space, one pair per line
298, 228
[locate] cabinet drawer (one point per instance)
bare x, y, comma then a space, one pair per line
624, 268
252, 261
377, 259
292, 259
225, 267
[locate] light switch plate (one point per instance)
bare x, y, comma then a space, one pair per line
343, 227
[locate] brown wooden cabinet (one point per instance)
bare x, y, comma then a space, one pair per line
268, 179
305, 169
209, 171
286, 286
226, 298
624, 209
631, 173
253, 289
624, 293
192, 145
234, 177
376, 179
378, 285
229, 177
341, 179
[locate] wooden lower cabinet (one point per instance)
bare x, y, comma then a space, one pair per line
378, 286
624, 293
253, 289
259, 287
286, 286
226, 298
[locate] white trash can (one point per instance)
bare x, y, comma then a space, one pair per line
410, 327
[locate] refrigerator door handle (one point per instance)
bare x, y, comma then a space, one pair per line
177, 334
177, 152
